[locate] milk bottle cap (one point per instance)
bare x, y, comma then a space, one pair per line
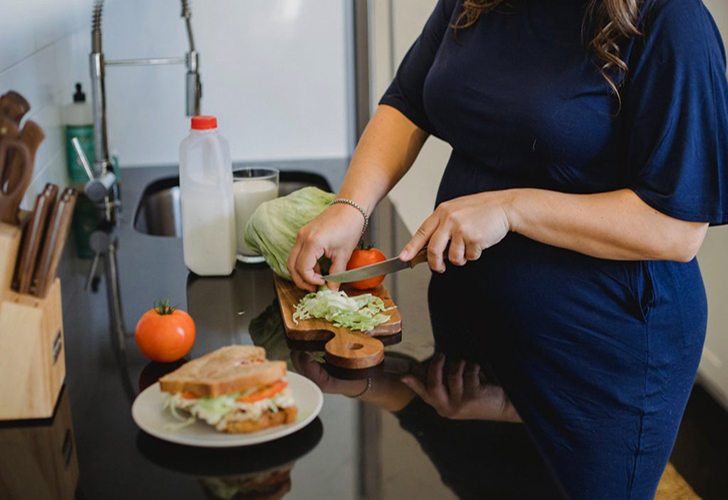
204, 122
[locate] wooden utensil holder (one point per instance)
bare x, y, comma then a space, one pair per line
32, 354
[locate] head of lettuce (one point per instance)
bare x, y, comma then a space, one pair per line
272, 229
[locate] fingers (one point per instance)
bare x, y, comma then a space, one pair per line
436, 249
338, 265
416, 385
434, 377
305, 263
456, 253
473, 252
455, 382
420, 239
471, 377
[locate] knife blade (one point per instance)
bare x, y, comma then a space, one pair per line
378, 269
55, 241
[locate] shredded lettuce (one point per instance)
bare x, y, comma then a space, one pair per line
210, 409
214, 409
360, 312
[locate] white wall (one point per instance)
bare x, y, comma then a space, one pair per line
44, 51
274, 72
712, 257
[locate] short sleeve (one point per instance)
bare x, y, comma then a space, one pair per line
676, 111
405, 92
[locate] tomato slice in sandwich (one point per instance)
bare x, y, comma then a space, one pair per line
264, 392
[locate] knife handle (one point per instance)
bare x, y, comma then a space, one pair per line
13, 106
11, 196
33, 237
419, 258
32, 136
56, 237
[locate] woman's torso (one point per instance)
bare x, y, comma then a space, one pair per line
523, 105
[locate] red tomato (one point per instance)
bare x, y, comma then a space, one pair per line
165, 334
361, 258
265, 392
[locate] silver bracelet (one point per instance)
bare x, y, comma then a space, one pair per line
366, 389
358, 207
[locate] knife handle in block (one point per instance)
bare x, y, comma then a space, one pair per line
55, 241
19, 170
33, 237
13, 106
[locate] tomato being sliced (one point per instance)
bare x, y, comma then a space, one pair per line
264, 392
365, 257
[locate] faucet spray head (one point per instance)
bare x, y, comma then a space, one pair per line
194, 86
96, 26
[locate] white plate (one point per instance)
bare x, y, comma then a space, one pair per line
148, 413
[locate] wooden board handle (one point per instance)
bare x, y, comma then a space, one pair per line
354, 350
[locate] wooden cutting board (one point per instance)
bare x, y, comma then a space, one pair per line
346, 348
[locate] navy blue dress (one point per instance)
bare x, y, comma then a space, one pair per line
598, 356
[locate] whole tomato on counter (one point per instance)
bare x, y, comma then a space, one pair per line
165, 333
365, 257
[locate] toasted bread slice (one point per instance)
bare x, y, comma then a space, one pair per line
269, 419
224, 371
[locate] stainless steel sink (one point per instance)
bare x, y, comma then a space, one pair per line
158, 212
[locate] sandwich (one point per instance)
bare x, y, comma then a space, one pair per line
271, 484
234, 389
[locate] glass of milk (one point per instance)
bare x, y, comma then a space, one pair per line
251, 187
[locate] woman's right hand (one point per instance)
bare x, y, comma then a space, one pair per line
334, 234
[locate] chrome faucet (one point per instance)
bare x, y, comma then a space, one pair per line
102, 167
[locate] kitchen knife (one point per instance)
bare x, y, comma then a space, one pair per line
13, 106
8, 128
11, 192
378, 269
55, 241
18, 171
33, 236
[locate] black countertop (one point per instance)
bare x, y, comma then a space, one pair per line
386, 444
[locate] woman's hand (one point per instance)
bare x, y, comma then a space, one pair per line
463, 396
334, 234
469, 224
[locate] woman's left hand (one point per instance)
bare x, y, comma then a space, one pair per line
461, 395
470, 224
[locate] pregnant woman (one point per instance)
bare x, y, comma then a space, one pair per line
590, 141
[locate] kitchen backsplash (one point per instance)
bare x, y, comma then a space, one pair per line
45, 46
276, 72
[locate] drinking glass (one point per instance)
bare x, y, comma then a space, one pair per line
251, 187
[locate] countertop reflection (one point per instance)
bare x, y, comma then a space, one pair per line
386, 443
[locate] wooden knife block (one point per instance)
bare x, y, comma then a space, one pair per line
32, 354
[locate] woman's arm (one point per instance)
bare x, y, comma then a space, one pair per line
386, 151
616, 225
